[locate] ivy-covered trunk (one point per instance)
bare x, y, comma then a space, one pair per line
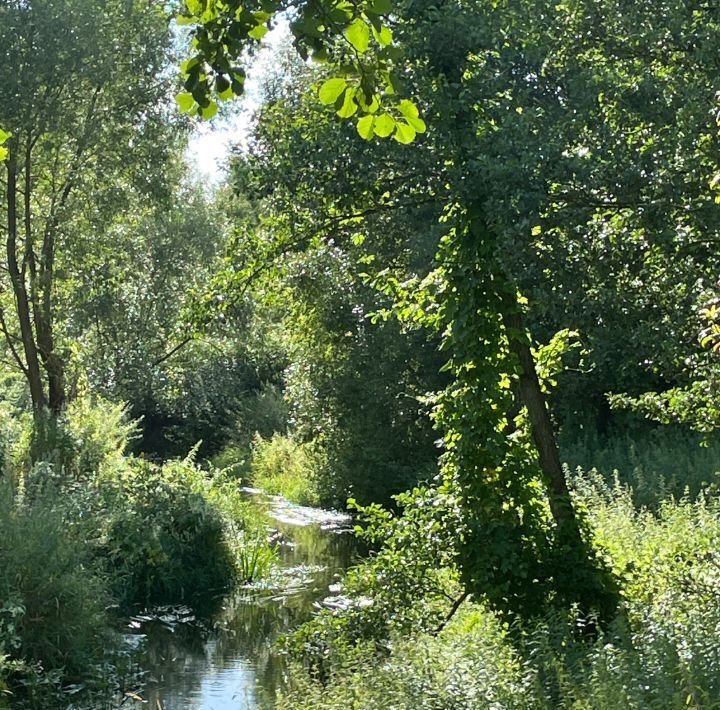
507, 466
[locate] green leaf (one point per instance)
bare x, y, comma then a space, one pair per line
185, 101
365, 127
258, 32
331, 90
404, 132
408, 109
210, 110
184, 20
223, 88
188, 64
384, 37
195, 6
371, 107
384, 125
3, 153
349, 107
381, 7
418, 124
4, 135
358, 34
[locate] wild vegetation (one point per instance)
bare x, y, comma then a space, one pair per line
493, 338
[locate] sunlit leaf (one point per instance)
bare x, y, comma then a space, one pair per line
349, 107
404, 132
384, 37
384, 125
185, 101
331, 90
358, 34
258, 32
408, 109
365, 127
210, 110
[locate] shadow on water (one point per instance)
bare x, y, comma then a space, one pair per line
227, 660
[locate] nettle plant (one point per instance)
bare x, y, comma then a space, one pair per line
355, 35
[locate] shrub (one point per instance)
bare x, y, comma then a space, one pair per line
52, 594
283, 466
87, 440
660, 653
173, 531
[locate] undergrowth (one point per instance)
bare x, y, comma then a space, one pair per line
282, 466
86, 531
660, 653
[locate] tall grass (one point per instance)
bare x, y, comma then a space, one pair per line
656, 462
53, 597
661, 653
283, 466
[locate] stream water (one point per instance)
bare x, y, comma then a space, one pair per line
227, 661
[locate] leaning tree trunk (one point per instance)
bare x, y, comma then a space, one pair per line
531, 396
583, 578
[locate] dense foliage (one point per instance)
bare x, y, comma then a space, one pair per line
494, 339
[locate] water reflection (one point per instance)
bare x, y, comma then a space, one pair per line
228, 661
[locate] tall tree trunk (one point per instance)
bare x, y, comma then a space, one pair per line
53, 363
22, 305
531, 396
41, 285
583, 578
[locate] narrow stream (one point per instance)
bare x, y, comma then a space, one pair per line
227, 661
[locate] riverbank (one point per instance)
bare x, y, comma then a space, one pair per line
229, 660
90, 534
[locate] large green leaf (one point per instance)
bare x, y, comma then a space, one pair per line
185, 101
331, 90
384, 125
349, 107
358, 34
365, 127
404, 132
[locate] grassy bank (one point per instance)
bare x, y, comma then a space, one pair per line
661, 651
89, 533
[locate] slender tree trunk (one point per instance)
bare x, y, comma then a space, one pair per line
32, 363
53, 363
41, 285
531, 396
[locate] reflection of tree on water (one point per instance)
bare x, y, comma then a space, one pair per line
231, 653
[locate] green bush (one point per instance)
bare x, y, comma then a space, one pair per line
173, 531
660, 653
85, 442
52, 594
283, 466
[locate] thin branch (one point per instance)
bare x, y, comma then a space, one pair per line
456, 605
170, 353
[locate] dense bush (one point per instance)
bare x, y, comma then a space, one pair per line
661, 651
86, 441
84, 529
53, 595
171, 531
283, 466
